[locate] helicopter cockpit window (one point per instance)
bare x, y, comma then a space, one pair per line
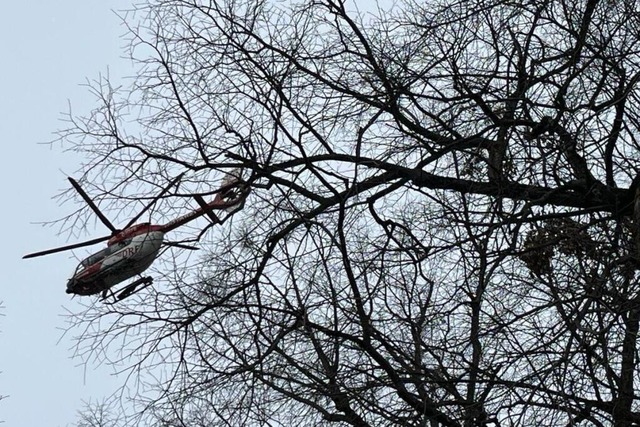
99, 256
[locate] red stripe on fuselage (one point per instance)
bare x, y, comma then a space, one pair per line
134, 230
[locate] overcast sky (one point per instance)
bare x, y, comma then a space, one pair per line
47, 50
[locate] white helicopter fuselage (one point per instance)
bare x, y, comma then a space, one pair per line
128, 254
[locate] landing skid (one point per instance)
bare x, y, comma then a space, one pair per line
128, 290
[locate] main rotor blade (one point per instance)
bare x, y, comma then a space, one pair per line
93, 206
162, 193
182, 245
66, 248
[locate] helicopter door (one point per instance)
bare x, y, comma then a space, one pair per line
99, 256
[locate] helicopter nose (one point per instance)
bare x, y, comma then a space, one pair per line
70, 286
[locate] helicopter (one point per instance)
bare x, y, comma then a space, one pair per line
131, 250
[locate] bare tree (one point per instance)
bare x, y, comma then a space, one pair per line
441, 229
97, 415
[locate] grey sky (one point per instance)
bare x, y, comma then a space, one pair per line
48, 49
